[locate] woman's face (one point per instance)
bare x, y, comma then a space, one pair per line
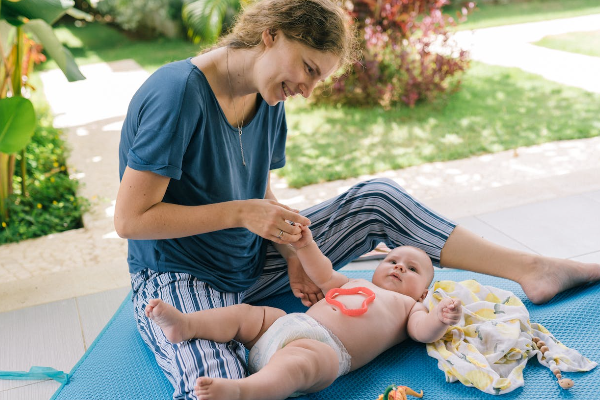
287, 67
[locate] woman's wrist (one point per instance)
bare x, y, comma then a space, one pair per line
286, 250
236, 213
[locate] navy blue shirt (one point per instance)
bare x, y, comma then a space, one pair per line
176, 128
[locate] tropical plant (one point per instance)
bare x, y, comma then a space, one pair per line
51, 204
19, 21
206, 20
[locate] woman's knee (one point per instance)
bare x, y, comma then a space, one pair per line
381, 186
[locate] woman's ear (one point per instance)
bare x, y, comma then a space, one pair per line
268, 37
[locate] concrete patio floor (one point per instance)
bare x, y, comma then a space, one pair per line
57, 334
59, 291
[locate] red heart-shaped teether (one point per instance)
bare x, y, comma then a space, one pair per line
331, 294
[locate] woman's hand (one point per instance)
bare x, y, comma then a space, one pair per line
302, 286
272, 220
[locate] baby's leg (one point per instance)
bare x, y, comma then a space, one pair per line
304, 365
241, 322
173, 322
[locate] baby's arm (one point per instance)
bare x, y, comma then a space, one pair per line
316, 265
427, 327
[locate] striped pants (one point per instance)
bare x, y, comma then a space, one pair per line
344, 228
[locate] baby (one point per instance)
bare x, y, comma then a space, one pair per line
306, 352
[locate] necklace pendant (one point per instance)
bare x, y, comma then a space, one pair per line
241, 146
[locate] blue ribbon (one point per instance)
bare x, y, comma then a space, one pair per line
36, 373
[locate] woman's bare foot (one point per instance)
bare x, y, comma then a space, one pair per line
550, 276
217, 389
172, 321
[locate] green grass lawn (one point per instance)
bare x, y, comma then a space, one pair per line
496, 109
516, 12
587, 43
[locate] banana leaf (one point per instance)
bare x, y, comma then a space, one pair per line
43, 33
48, 10
17, 124
7, 32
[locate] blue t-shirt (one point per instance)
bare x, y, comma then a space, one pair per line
176, 128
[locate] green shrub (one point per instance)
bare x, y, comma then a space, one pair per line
52, 204
145, 17
408, 55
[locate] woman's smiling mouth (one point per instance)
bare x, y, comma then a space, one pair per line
286, 91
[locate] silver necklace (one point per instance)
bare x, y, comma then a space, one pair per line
239, 126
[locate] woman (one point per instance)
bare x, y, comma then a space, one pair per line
205, 230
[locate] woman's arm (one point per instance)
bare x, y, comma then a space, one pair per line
141, 214
302, 286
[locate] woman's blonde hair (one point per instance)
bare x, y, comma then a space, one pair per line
320, 24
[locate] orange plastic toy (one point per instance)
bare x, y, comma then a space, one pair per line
333, 293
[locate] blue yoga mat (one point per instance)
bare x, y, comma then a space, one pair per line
118, 365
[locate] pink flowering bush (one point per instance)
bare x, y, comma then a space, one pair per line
408, 54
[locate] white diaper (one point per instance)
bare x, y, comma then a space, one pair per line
293, 327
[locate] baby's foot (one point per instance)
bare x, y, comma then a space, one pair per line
551, 276
217, 388
169, 319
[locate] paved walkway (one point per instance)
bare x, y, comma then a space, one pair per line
92, 259
511, 46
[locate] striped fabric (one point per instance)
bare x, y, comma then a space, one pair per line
354, 223
345, 227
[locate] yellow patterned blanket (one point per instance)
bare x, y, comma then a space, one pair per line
490, 346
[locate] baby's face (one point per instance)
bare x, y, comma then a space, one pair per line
405, 270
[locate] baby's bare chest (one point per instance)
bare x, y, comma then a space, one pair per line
383, 318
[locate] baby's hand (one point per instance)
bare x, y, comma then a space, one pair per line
449, 311
306, 238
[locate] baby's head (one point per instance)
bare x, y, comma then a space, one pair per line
405, 270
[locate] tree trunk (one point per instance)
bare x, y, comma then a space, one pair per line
3, 186
10, 167
23, 174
